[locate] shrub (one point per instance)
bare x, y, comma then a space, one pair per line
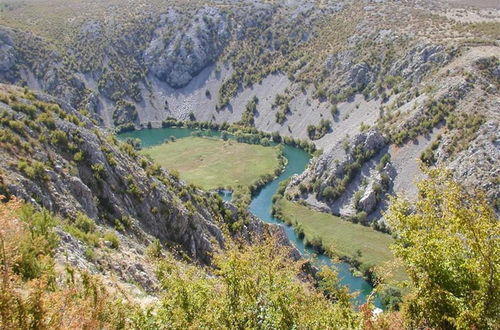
84, 223
391, 298
40, 242
35, 171
99, 171
27, 109
334, 111
329, 193
247, 118
79, 156
154, 249
59, 137
317, 132
47, 120
112, 239
448, 242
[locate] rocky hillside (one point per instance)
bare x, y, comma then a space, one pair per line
453, 123
423, 75
55, 158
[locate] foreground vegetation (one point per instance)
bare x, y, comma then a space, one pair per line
254, 287
447, 240
213, 163
449, 243
362, 246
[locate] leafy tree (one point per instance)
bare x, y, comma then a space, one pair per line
449, 243
256, 287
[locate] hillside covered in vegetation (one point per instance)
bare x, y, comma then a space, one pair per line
392, 105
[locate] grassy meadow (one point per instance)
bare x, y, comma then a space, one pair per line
212, 163
340, 237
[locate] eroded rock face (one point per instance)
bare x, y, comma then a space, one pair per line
124, 113
7, 52
477, 166
174, 57
420, 60
82, 169
360, 75
368, 201
329, 169
108, 184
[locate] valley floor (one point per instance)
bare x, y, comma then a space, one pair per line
213, 163
342, 238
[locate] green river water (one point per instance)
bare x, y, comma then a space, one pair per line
262, 202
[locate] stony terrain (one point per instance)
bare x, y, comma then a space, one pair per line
56, 158
351, 65
468, 132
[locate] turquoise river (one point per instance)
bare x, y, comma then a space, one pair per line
262, 203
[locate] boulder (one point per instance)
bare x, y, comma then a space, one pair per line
368, 201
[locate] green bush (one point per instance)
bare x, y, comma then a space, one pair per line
154, 249
317, 132
40, 242
34, 171
59, 137
84, 223
99, 171
112, 239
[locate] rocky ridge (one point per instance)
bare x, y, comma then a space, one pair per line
56, 158
461, 125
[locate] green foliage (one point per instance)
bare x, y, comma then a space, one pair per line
84, 223
435, 112
126, 127
27, 109
99, 171
386, 158
356, 198
36, 248
247, 118
58, 137
79, 156
329, 193
464, 128
47, 120
448, 241
282, 103
36, 295
317, 132
427, 157
113, 240
364, 127
154, 250
35, 170
254, 287
123, 223
228, 90
391, 298
133, 188
334, 111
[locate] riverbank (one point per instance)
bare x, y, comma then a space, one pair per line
240, 133
362, 247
